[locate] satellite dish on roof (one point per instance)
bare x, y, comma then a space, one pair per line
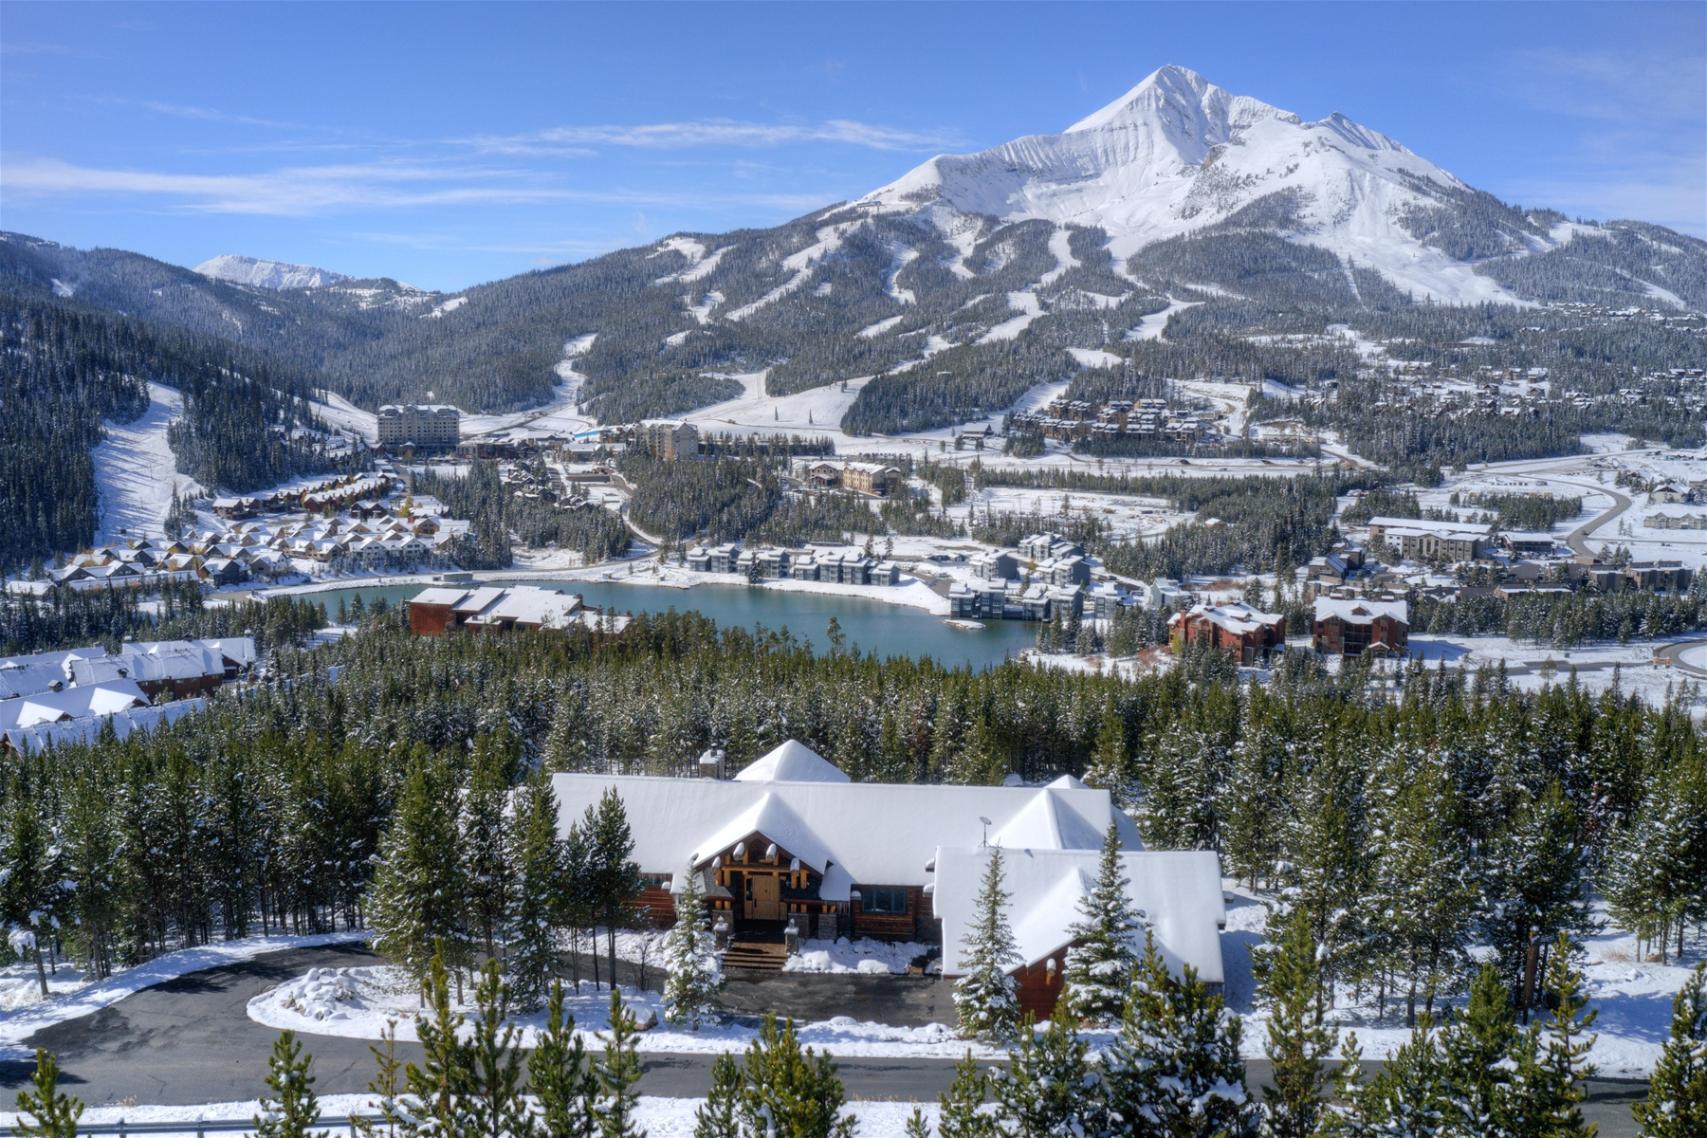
985, 840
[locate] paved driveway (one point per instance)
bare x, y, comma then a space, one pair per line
191, 1041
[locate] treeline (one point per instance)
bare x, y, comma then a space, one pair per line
65, 618
1523, 511
1565, 619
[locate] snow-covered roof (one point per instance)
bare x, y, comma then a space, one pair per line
1236, 617
78, 702
1422, 526
29, 740
1360, 610
1179, 891
879, 833
793, 761
526, 604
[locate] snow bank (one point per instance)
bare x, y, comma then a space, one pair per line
872, 957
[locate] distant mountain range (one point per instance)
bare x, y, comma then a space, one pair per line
990, 266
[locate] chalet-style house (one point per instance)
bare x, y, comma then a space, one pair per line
1351, 626
1241, 631
861, 477
790, 841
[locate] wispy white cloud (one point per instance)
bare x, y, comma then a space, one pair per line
211, 114
714, 132
1638, 146
302, 191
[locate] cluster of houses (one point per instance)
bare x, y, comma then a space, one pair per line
790, 846
439, 610
358, 540
835, 566
343, 492
1075, 420
61, 698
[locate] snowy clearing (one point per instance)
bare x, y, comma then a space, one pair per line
135, 472
358, 1003
19, 1024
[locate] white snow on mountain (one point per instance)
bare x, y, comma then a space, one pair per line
1178, 153
259, 273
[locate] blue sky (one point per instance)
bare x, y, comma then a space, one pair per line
446, 144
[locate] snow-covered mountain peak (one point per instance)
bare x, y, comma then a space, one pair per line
259, 273
1177, 154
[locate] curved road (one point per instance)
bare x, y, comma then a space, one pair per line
191, 1041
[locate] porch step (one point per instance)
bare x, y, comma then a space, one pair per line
755, 956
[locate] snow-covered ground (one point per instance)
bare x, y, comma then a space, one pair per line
1631, 996
873, 957
657, 1117
336, 411
358, 1003
71, 1002
135, 473
557, 417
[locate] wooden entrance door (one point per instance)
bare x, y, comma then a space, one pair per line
764, 902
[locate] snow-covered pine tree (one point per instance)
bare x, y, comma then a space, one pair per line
787, 1089
45, 1111
492, 1105
1474, 1048
985, 996
1048, 1086
292, 1109
1175, 1068
1550, 1079
534, 917
1408, 1095
615, 878
962, 1113
485, 847
617, 1071
1534, 881
418, 899
719, 1115
1101, 959
1676, 1106
560, 1075
1298, 1041
1109, 768
691, 991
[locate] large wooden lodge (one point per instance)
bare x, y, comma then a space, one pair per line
790, 840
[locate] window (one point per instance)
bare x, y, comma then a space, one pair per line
883, 900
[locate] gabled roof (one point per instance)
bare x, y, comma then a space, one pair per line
1178, 891
793, 761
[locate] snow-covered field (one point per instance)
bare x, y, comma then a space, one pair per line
135, 472
25, 1018
1631, 996
358, 1003
657, 1117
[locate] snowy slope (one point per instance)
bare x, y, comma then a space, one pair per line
1177, 153
135, 472
260, 273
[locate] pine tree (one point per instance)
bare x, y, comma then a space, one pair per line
45, 1111
485, 845
561, 1077
1550, 1079
493, 1106
787, 1089
963, 1114
1534, 883
1344, 1114
537, 874
1298, 1040
1047, 1085
691, 991
1175, 1068
617, 1072
419, 895
438, 1086
1676, 1106
1474, 1049
616, 879
292, 1109
719, 1115
1108, 768
917, 1125
1100, 962
387, 1088
1408, 1096
985, 998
